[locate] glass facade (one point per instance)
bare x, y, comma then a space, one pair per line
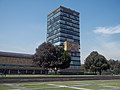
63, 25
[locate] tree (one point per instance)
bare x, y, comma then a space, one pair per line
96, 62
50, 56
114, 66
44, 56
82, 68
65, 60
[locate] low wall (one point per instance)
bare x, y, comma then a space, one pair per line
55, 78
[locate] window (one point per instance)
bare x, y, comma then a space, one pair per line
75, 63
75, 58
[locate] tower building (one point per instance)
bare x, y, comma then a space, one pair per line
63, 29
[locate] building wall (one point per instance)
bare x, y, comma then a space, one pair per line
13, 61
63, 25
17, 63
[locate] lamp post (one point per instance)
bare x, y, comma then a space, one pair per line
55, 70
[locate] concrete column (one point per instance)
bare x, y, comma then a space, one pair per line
8, 71
18, 71
26, 72
33, 71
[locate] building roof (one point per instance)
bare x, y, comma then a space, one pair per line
63, 8
18, 55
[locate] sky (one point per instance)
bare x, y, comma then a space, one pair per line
23, 25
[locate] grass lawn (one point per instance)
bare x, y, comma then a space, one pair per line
66, 85
6, 87
74, 85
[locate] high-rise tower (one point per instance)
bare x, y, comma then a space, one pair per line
63, 29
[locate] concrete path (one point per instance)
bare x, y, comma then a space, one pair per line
72, 87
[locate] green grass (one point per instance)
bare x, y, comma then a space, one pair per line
34, 85
67, 85
41, 86
91, 84
5, 87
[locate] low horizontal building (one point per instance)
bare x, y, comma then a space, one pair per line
17, 63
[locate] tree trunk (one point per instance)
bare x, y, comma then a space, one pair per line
100, 71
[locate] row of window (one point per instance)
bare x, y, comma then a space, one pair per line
52, 14
69, 16
51, 21
74, 65
63, 34
63, 20
66, 36
75, 68
75, 58
63, 15
58, 43
51, 32
53, 29
60, 24
16, 65
55, 15
53, 25
62, 39
69, 34
72, 13
66, 29
69, 23
69, 27
75, 62
75, 54
69, 19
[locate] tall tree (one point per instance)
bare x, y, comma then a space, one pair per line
65, 59
44, 55
114, 66
50, 56
96, 62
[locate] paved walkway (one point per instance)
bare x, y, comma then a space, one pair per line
72, 87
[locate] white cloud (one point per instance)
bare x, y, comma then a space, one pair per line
110, 50
106, 44
108, 30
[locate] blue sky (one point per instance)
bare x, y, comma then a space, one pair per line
23, 25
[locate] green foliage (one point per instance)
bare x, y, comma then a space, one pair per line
44, 56
114, 66
65, 59
6, 87
96, 63
82, 68
50, 56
